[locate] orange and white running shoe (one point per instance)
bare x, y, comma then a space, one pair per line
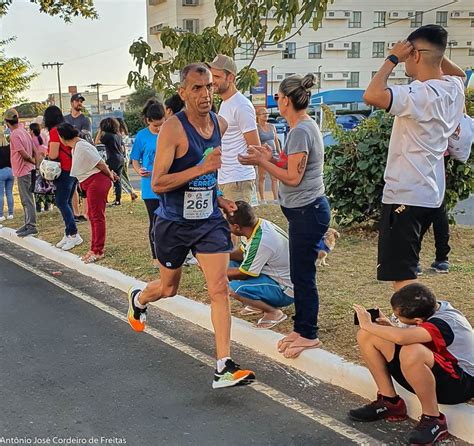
136, 316
232, 375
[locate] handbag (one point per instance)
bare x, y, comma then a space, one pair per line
42, 186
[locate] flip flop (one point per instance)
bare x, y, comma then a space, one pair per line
283, 344
87, 255
249, 311
94, 258
271, 322
299, 349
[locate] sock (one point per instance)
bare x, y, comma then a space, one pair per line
391, 399
137, 303
221, 364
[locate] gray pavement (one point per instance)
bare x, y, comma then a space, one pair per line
71, 370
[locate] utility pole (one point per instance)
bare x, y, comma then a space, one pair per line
97, 86
58, 65
451, 43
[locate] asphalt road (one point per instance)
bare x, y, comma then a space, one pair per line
73, 372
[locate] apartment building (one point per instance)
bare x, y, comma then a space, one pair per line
349, 46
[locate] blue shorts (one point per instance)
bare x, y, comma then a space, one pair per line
174, 239
262, 288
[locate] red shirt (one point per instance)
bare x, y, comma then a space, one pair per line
65, 154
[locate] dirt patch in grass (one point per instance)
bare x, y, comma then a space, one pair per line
349, 278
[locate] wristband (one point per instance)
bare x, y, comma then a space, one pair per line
219, 193
392, 58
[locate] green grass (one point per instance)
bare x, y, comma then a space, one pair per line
349, 278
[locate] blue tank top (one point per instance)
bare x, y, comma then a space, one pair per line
192, 202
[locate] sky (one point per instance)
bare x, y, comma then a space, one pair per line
91, 50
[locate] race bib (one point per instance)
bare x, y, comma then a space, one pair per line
198, 205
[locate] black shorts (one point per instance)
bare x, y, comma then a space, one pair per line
449, 390
400, 233
173, 240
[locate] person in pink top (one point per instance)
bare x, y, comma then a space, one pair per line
22, 157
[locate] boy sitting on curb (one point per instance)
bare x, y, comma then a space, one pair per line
433, 359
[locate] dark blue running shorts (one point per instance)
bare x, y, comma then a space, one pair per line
174, 239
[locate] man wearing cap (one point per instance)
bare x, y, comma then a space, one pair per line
76, 118
22, 157
236, 181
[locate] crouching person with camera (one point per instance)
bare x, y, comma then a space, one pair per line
434, 358
95, 178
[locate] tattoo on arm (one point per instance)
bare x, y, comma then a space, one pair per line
302, 164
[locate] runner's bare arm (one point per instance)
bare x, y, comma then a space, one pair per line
171, 136
222, 125
449, 68
252, 138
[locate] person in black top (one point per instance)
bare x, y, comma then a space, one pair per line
110, 137
6, 177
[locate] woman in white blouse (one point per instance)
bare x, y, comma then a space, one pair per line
95, 179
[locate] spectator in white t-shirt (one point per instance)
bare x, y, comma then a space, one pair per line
259, 271
236, 181
427, 111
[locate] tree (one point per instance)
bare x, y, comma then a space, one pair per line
237, 22
31, 109
15, 77
63, 8
139, 97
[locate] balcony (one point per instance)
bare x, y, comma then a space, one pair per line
462, 14
336, 76
156, 29
337, 46
338, 15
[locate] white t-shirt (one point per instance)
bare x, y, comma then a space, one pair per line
460, 142
239, 113
427, 114
267, 252
85, 158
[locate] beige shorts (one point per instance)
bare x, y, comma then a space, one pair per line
240, 190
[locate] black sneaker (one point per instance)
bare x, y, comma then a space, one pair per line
440, 267
232, 375
136, 316
380, 409
429, 430
80, 218
27, 231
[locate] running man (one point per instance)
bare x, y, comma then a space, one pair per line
185, 176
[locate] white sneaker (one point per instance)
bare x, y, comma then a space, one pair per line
2, 218
10, 217
190, 260
71, 242
61, 242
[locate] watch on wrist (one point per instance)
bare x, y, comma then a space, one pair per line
392, 58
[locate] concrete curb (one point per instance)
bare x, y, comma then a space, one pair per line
318, 363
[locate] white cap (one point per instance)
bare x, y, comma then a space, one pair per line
38, 120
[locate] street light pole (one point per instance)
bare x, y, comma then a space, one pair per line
319, 77
451, 43
97, 85
58, 66
271, 80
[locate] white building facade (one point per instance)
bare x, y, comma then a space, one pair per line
350, 45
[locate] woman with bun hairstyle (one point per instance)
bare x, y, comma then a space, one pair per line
95, 178
143, 157
65, 183
303, 202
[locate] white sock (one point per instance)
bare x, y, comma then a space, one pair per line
137, 302
221, 364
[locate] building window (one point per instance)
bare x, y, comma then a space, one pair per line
354, 52
191, 25
374, 73
329, 75
378, 49
471, 52
356, 20
353, 82
246, 51
315, 50
290, 51
472, 23
417, 21
442, 18
379, 18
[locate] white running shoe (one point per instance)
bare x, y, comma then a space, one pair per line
71, 242
61, 242
190, 260
10, 217
2, 218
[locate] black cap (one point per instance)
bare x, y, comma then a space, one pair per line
77, 97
